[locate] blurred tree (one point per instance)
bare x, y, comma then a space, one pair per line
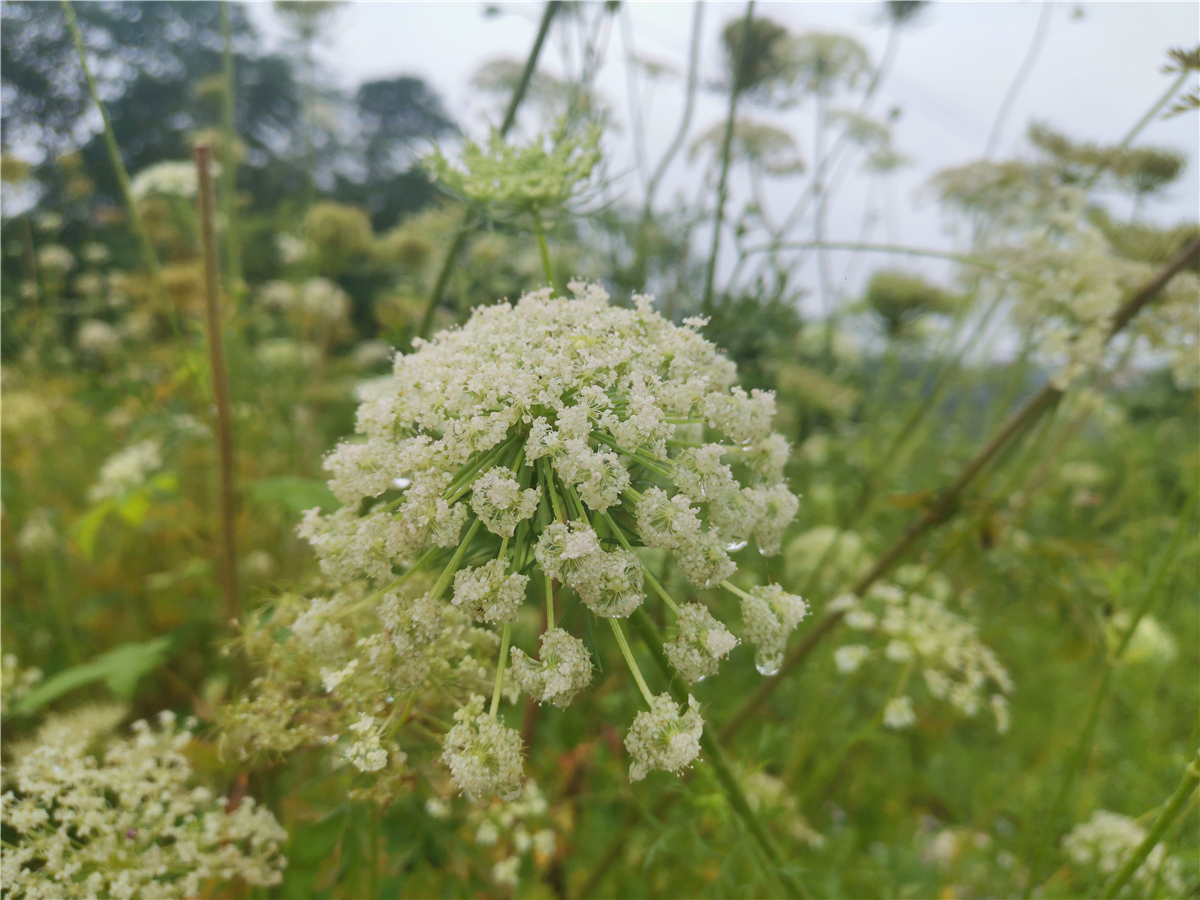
151, 62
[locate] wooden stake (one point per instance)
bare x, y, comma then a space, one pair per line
227, 567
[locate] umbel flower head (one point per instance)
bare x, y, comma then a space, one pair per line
124, 823
534, 451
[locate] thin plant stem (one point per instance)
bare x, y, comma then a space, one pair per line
631, 662
467, 223
544, 250
1035, 48
726, 150
391, 586
976, 261
149, 257
220, 382
1175, 806
728, 781
548, 481
443, 581
1149, 116
373, 836
944, 506
233, 259
689, 105
501, 666
649, 576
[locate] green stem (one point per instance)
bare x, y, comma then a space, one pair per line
149, 257
501, 666
1191, 777
548, 481
467, 475
233, 263
374, 837
658, 588
510, 116
366, 601
544, 249
631, 662
720, 763
636, 455
726, 153
451, 567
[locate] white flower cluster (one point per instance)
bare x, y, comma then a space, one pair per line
563, 669
664, 738
313, 304
1107, 840
700, 645
170, 178
919, 630
514, 832
15, 682
126, 824
557, 436
55, 259
126, 470
38, 534
96, 338
770, 615
340, 672
484, 755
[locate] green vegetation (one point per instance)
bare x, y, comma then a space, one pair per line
994, 692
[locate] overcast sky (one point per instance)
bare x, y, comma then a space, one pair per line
1098, 72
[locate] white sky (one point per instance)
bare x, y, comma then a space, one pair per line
1097, 74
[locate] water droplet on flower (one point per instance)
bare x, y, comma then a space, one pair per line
401, 483
768, 667
735, 546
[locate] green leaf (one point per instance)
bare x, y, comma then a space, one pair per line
88, 527
295, 494
120, 669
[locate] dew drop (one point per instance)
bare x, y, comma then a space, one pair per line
768, 666
401, 483
735, 546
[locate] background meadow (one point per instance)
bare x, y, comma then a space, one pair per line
928, 278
